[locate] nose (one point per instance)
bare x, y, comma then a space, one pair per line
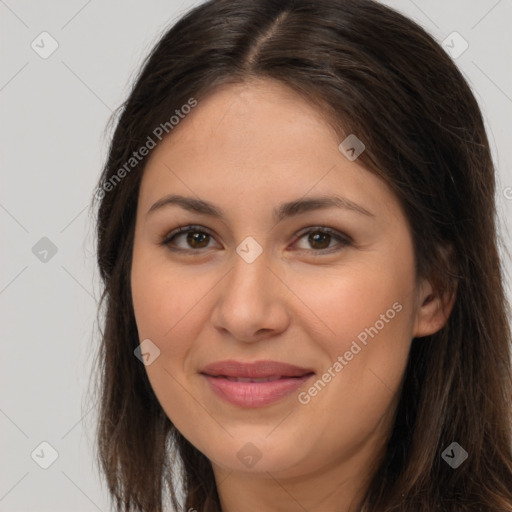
251, 302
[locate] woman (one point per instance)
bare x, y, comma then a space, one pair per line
304, 300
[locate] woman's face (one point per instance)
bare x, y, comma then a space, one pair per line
273, 276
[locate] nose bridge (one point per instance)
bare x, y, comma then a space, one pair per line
250, 301
251, 274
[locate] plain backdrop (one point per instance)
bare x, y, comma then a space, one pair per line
54, 112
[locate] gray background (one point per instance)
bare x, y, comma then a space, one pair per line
54, 113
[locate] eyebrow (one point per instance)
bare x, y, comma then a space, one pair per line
280, 213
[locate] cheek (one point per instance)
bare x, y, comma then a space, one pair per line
152, 302
370, 311
352, 305
168, 302
163, 301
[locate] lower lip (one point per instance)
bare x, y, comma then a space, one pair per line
254, 394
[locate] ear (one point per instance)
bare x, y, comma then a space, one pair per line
435, 301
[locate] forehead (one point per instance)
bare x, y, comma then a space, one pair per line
259, 114
259, 139
262, 129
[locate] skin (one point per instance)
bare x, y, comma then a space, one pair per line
248, 148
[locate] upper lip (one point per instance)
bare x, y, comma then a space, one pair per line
256, 369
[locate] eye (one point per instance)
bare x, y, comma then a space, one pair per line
198, 237
320, 238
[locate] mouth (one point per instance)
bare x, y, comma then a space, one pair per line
254, 384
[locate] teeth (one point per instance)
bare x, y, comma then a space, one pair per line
246, 379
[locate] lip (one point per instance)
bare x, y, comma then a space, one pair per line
255, 369
285, 378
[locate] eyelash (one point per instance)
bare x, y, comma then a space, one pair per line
345, 240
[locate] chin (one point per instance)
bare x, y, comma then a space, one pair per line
257, 455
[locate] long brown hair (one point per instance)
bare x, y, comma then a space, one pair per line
379, 75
